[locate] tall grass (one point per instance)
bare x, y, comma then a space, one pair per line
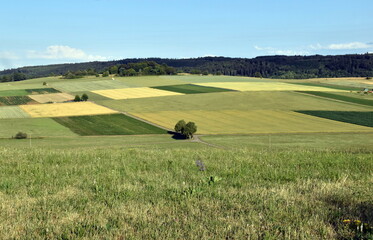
163, 194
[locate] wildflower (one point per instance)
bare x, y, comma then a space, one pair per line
347, 221
201, 165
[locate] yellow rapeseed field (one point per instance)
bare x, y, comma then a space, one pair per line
65, 109
127, 93
266, 86
246, 122
53, 97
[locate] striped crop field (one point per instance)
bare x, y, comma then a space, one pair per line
111, 124
247, 122
52, 97
41, 90
267, 86
13, 112
65, 109
88, 85
129, 93
16, 100
191, 89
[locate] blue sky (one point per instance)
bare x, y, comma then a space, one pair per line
42, 32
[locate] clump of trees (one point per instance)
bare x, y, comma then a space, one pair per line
141, 69
16, 76
20, 135
79, 74
83, 98
186, 129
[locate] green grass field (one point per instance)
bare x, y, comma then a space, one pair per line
79, 86
162, 194
15, 100
113, 124
232, 100
274, 174
8, 93
12, 112
331, 86
244, 122
345, 98
320, 141
191, 89
36, 127
359, 118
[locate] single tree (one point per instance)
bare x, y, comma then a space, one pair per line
77, 98
180, 125
189, 129
84, 97
44, 83
105, 74
258, 75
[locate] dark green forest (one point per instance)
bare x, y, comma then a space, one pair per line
289, 67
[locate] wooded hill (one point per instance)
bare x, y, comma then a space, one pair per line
290, 67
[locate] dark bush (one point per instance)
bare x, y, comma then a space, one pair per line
20, 135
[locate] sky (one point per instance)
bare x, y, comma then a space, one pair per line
41, 32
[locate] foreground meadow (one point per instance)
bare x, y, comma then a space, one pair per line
183, 193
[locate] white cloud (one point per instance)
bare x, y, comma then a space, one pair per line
343, 46
64, 52
209, 55
274, 51
8, 55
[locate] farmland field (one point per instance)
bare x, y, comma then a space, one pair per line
129, 93
232, 100
41, 90
265, 164
265, 86
65, 109
52, 97
258, 121
191, 89
267, 142
359, 118
368, 102
36, 127
18, 92
12, 112
77, 86
113, 124
15, 100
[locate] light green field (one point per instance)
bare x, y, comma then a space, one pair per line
162, 194
77, 85
41, 127
152, 81
257, 121
266, 86
18, 92
233, 100
331, 141
12, 112
210, 78
87, 143
359, 83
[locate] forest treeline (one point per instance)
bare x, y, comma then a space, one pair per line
289, 67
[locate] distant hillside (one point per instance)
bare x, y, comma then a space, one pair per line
291, 67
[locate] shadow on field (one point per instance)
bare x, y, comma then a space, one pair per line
342, 209
176, 136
